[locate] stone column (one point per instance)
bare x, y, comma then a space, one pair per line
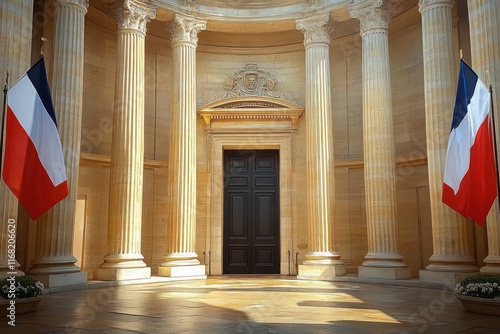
449, 229
181, 259
383, 259
321, 261
124, 259
484, 25
15, 57
54, 263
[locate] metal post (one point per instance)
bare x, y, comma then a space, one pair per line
3, 118
289, 262
495, 144
297, 263
209, 263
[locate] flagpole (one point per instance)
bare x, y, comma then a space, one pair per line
3, 118
495, 144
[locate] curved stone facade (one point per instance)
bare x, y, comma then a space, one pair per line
329, 216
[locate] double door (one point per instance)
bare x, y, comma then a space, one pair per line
251, 212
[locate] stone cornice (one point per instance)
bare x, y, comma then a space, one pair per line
316, 29
372, 14
185, 28
132, 14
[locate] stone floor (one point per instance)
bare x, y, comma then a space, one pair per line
252, 305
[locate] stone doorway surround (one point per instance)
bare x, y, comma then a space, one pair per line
249, 122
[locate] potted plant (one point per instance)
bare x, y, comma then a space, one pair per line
19, 294
480, 293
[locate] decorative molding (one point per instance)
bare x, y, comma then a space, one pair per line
410, 160
188, 3
251, 108
185, 28
82, 5
316, 29
372, 14
132, 14
250, 81
104, 161
425, 4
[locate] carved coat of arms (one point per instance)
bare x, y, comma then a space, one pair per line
250, 81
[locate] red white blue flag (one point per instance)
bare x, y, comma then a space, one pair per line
34, 165
470, 186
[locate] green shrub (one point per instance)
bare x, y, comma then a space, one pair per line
479, 285
16, 287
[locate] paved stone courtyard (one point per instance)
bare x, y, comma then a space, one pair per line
252, 305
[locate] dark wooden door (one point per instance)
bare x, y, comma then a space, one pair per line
251, 212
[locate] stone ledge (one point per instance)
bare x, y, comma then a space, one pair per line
384, 273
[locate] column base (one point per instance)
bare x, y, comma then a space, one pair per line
195, 272
443, 277
4, 273
384, 273
321, 271
121, 274
57, 280
492, 266
491, 269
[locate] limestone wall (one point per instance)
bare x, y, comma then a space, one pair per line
287, 64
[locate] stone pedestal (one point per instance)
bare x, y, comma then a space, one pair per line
197, 271
321, 260
117, 274
181, 222
378, 142
53, 252
449, 233
384, 273
321, 271
58, 280
450, 278
484, 25
124, 259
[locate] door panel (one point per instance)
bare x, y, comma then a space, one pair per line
251, 212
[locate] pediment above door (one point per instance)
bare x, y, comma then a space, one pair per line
250, 99
240, 111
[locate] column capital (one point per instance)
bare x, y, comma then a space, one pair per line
372, 14
133, 14
185, 28
426, 4
316, 29
82, 5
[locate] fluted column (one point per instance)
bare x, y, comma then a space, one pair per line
484, 25
53, 251
124, 259
319, 154
15, 57
449, 229
181, 258
378, 143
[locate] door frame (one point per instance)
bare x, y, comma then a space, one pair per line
257, 140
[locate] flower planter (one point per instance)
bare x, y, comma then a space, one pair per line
481, 305
23, 305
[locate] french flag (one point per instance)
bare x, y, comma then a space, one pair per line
470, 177
33, 165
